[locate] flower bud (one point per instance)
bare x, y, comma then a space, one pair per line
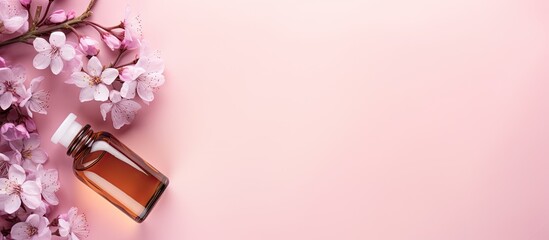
111, 41
88, 46
58, 16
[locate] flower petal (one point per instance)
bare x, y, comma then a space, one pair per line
39, 156
105, 108
124, 112
57, 39
41, 44
109, 75
101, 93
128, 89
41, 60
6, 100
31, 188
14, 23
145, 92
94, 67
86, 94
3, 187
12, 203
35, 83
50, 197
56, 65
32, 142
30, 200
6, 74
19, 231
131, 72
17, 174
115, 96
64, 227
81, 79
33, 220
150, 60
67, 52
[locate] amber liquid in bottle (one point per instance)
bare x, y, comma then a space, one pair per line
116, 173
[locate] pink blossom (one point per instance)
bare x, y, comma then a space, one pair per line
11, 86
73, 225
12, 18
122, 110
35, 100
27, 151
58, 16
88, 46
12, 132
94, 82
34, 228
48, 180
3, 63
15, 189
132, 31
145, 76
111, 41
52, 53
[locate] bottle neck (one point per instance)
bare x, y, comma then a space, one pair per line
81, 143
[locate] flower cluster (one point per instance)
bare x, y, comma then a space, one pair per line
27, 189
63, 46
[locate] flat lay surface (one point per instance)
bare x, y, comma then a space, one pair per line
332, 119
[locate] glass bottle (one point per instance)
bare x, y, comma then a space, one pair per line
111, 169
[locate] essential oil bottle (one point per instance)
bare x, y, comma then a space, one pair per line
111, 169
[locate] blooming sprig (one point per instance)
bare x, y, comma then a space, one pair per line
63, 46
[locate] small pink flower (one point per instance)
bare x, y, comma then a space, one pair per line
27, 151
122, 110
73, 225
11, 86
58, 16
35, 100
48, 179
88, 46
52, 53
145, 76
12, 132
15, 189
132, 31
12, 19
94, 82
34, 228
111, 41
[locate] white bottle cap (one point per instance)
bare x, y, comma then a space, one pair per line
67, 131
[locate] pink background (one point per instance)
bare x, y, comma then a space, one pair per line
333, 119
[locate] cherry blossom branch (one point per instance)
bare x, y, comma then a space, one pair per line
35, 32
